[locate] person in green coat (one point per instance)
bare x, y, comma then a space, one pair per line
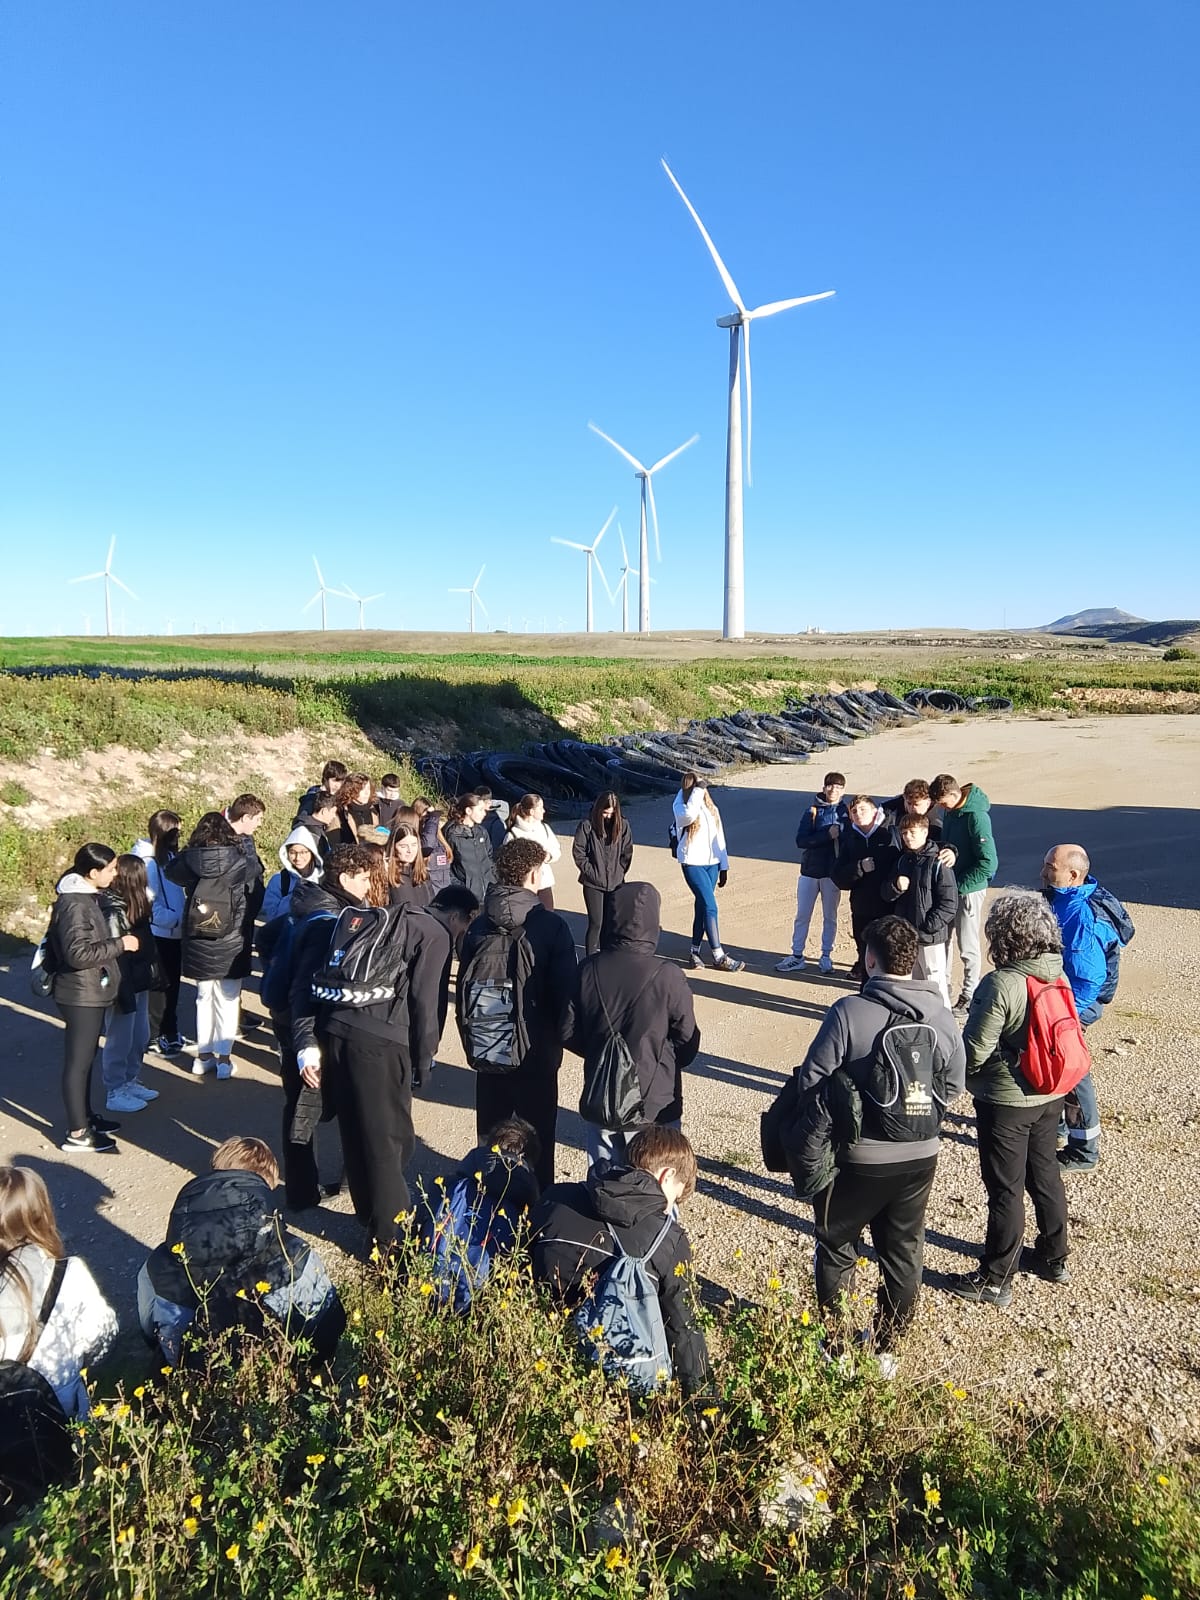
1017, 1129
967, 830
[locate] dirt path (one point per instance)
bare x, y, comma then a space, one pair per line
1124, 1338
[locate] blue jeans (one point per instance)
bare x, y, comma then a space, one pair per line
702, 881
1081, 1109
607, 1145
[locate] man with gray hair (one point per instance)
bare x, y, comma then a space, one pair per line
1094, 926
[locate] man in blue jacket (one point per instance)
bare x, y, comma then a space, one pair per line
817, 840
1094, 926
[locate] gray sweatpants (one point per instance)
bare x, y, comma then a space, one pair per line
968, 926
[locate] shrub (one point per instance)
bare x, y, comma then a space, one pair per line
1180, 652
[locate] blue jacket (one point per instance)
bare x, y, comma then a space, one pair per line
1087, 939
817, 850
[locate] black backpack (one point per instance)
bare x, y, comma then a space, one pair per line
366, 962
35, 1437
214, 910
612, 1091
488, 1003
899, 1099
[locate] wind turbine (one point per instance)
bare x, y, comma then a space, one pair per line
738, 323
110, 577
645, 476
627, 572
589, 551
321, 594
360, 600
473, 591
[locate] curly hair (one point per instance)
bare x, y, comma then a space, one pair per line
517, 859
1020, 926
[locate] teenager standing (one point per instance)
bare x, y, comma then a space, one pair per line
603, 854
158, 850
127, 1026
214, 872
470, 845
527, 820
702, 854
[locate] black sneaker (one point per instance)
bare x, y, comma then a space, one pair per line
104, 1124
695, 959
974, 1286
1070, 1160
1050, 1271
94, 1141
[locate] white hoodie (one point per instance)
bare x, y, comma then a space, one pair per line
277, 899
706, 846
541, 833
168, 900
82, 1325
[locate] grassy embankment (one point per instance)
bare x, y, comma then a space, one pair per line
449, 1457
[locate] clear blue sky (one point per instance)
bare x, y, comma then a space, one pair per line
278, 278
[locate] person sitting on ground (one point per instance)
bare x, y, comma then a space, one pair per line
967, 830
628, 989
228, 1261
884, 1180
1094, 926
817, 837
578, 1227
300, 862
53, 1317
389, 801
1016, 1127
923, 891
867, 852
333, 775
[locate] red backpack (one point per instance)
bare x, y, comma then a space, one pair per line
1055, 1057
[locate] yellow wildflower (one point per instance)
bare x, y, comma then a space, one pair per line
614, 1559
126, 1537
122, 1410
579, 1441
634, 1436
176, 1249
100, 1411
681, 1269
356, 1315
805, 1319
139, 1391
737, 1254
909, 1591
1164, 1481
959, 1394
540, 1365
774, 1283
375, 1256
363, 1380
493, 1501
473, 1557
933, 1497
196, 1502
821, 1497
233, 1552
515, 1511
315, 1461
426, 1288
241, 1295
190, 1527
166, 1371
262, 1287
710, 1411
260, 1526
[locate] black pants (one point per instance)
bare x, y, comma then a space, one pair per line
891, 1201
301, 1184
369, 1081
530, 1092
1017, 1154
595, 900
164, 1003
85, 1024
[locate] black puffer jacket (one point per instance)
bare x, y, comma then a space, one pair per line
85, 953
139, 968
473, 866
633, 991
931, 899
549, 994
573, 1229
227, 867
865, 883
602, 862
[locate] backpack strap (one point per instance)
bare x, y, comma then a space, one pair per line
662, 1234
46, 1311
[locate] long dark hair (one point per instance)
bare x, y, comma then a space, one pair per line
612, 829
163, 829
26, 1217
131, 889
212, 828
92, 858
461, 804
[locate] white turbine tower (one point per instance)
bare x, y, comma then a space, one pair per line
645, 475
361, 601
473, 591
738, 324
106, 572
627, 572
589, 551
321, 594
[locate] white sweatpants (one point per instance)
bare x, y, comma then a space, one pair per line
217, 1001
807, 892
933, 962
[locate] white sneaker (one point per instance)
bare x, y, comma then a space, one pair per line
889, 1365
225, 1067
140, 1089
124, 1102
203, 1065
825, 964
791, 964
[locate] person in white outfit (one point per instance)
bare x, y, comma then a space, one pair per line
527, 820
53, 1317
700, 851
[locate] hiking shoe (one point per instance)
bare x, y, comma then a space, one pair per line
140, 1089
203, 1065
1070, 1160
791, 964
124, 1102
94, 1142
1049, 1271
728, 964
974, 1286
225, 1067
825, 964
695, 959
103, 1124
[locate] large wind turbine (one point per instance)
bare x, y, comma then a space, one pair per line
645, 476
321, 594
106, 572
589, 551
627, 572
473, 591
360, 600
738, 324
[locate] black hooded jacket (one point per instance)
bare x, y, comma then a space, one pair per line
573, 1229
931, 900
602, 862
228, 866
550, 991
865, 884
632, 991
473, 865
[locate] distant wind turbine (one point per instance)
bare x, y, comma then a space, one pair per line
589, 551
361, 601
473, 591
645, 475
627, 572
321, 594
738, 323
110, 577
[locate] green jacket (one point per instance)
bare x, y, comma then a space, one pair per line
996, 1029
968, 831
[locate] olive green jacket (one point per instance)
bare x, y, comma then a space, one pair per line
996, 1029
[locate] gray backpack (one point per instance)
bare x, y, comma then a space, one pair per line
621, 1321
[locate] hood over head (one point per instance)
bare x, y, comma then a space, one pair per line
624, 1195
633, 919
302, 834
508, 905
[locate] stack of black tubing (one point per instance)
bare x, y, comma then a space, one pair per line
570, 773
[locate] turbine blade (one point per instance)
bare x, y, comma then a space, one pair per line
348, 592
730, 287
313, 601
112, 577
368, 598
674, 453
773, 306
320, 576
570, 544
749, 408
624, 552
479, 603
479, 575
603, 579
604, 529
653, 517
620, 448
450, 591
87, 577
112, 545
